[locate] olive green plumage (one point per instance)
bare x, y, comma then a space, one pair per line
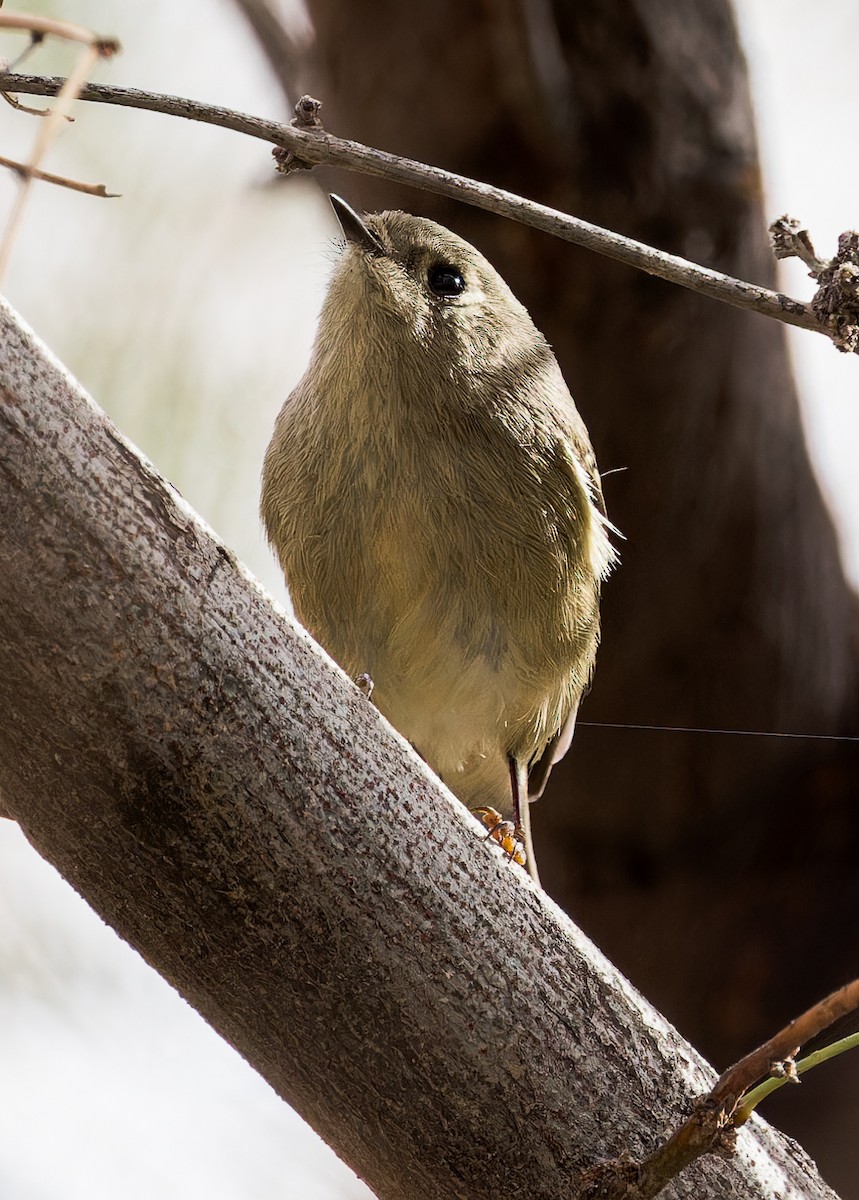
432, 496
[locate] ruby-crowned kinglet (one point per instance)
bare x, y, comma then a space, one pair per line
433, 498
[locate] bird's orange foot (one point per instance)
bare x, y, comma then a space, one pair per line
507, 834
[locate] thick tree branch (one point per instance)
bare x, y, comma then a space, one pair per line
237, 810
307, 148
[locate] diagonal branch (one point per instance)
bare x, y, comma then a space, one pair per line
310, 147
235, 808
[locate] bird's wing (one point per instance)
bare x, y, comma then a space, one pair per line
584, 452
577, 435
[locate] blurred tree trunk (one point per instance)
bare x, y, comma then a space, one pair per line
715, 871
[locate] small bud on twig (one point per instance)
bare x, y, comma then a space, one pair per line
791, 241
306, 117
836, 304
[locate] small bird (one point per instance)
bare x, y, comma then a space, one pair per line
431, 493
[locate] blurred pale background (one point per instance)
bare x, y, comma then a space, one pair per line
187, 309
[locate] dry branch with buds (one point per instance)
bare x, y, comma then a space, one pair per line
93, 47
304, 143
712, 1127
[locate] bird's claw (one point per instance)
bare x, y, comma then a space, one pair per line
505, 833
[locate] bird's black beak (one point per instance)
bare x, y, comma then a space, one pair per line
354, 229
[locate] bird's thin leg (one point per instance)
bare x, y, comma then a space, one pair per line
522, 813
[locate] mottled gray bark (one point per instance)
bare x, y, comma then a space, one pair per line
231, 804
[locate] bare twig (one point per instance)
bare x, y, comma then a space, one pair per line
36, 40
738, 1079
93, 48
26, 108
50, 27
790, 240
790, 1071
74, 185
712, 1126
301, 147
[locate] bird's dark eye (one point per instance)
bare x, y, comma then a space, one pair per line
445, 280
